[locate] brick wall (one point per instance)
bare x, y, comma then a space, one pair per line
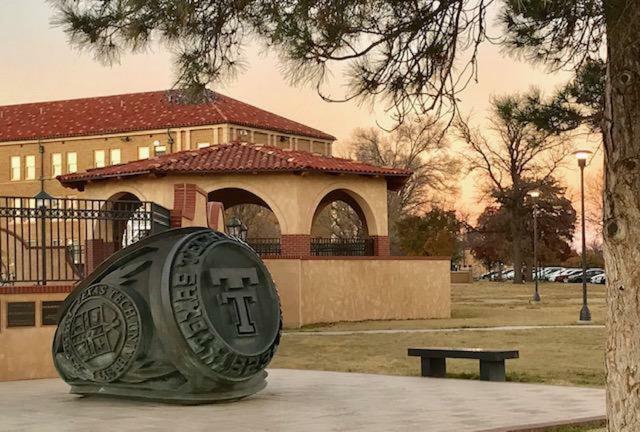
295, 245
381, 246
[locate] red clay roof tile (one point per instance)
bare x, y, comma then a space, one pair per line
136, 112
235, 157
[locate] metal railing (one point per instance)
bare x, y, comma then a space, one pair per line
54, 240
265, 246
322, 246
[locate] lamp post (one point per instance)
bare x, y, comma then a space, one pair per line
236, 228
42, 200
534, 194
585, 314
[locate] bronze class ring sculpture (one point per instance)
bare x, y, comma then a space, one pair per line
186, 316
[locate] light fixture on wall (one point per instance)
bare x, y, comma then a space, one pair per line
235, 228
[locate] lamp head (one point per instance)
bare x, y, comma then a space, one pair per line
582, 156
42, 199
534, 193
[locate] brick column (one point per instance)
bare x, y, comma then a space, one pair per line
295, 245
381, 246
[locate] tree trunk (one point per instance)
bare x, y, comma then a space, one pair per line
516, 248
622, 214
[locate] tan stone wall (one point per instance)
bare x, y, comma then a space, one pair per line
331, 290
25, 352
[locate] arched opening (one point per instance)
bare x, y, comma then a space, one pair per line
340, 227
131, 221
263, 230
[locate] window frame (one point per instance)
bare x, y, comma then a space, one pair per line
145, 149
95, 158
29, 170
73, 164
111, 158
56, 172
15, 173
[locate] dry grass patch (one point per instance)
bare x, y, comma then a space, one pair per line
553, 356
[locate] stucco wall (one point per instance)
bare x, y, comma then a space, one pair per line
312, 290
292, 198
317, 290
25, 352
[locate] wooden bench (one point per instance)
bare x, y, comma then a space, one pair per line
434, 361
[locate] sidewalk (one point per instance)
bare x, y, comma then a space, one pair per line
311, 401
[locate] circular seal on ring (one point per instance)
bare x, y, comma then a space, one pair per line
224, 304
102, 332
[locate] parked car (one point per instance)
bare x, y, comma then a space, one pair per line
551, 275
576, 278
546, 271
563, 276
600, 279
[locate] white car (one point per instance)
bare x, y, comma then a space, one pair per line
599, 279
546, 271
551, 275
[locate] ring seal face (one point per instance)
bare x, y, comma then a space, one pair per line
225, 306
102, 333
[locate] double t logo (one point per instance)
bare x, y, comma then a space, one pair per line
239, 291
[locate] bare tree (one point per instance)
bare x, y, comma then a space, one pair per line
421, 145
338, 220
518, 158
260, 221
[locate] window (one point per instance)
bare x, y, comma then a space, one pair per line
50, 310
21, 314
115, 156
98, 158
15, 168
158, 148
203, 145
56, 164
30, 167
143, 152
72, 162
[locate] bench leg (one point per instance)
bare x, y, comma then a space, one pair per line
434, 367
492, 370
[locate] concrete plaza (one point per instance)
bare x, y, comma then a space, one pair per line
297, 400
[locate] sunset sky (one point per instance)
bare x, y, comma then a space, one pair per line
39, 65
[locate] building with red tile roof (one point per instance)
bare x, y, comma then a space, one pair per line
46, 139
137, 112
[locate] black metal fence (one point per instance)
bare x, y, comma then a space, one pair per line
265, 246
60, 239
321, 246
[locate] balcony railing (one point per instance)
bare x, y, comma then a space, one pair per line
265, 246
321, 246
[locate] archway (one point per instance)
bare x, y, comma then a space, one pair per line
130, 220
340, 226
263, 228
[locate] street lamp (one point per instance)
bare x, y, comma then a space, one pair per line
585, 314
236, 228
42, 201
534, 194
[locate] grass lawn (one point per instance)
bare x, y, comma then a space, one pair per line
571, 356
